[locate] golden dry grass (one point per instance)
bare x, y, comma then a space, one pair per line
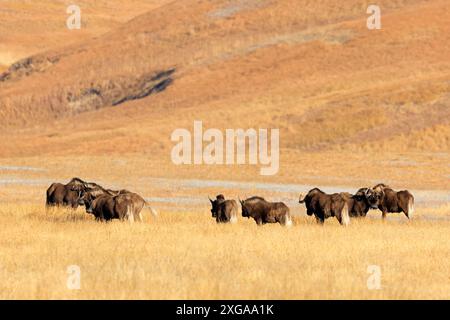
188, 256
354, 107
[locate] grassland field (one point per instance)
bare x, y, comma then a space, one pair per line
189, 256
354, 107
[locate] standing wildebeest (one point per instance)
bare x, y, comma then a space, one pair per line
266, 212
324, 206
224, 210
122, 206
358, 206
65, 195
387, 200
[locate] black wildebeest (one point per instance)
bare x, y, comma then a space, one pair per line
106, 207
387, 200
324, 206
67, 195
266, 212
357, 203
224, 210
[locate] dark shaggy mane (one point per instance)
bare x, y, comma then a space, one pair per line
316, 189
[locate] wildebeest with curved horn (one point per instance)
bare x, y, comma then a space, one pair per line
224, 210
264, 212
67, 195
123, 206
387, 200
324, 206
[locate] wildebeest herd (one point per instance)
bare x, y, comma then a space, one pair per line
104, 204
342, 205
107, 204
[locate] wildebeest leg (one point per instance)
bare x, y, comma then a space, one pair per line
320, 220
259, 222
383, 215
101, 216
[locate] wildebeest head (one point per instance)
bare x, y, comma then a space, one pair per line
88, 199
245, 212
215, 204
373, 197
360, 195
80, 189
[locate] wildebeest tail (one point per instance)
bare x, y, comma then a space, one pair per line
345, 217
410, 207
288, 221
153, 211
130, 212
287, 218
233, 218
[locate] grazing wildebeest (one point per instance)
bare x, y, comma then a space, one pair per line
123, 206
224, 210
324, 206
97, 190
266, 212
358, 206
67, 195
387, 200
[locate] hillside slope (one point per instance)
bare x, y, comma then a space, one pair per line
311, 69
31, 27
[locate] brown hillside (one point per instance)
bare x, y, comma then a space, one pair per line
311, 69
30, 27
